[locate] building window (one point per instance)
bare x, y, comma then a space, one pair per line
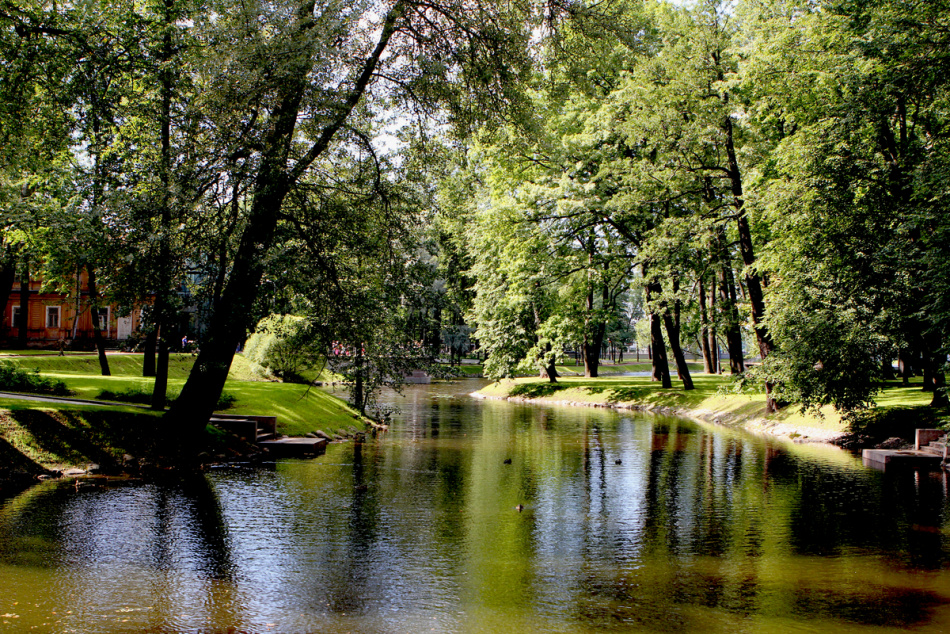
52, 316
15, 318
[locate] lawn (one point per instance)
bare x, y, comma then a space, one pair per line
299, 409
899, 409
605, 369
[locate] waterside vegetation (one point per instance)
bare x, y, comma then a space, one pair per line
899, 409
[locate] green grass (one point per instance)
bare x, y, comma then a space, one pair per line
38, 353
299, 410
898, 411
606, 369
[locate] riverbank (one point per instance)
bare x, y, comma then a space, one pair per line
54, 437
899, 410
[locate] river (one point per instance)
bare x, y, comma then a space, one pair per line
488, 516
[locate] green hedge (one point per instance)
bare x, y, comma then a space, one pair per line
13, 379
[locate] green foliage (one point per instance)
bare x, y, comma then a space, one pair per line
281, 346
15, 379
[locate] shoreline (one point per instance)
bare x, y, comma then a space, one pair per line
754, 424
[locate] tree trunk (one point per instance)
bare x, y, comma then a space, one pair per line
7, 278
673, 334
887, 368
934, 358
24, 303
731, 329
160, 388
358, 399
229, 321
593, 339
681, 368
753, 281
903, 365
713, 339
164, 281
927, 366
661, 367
96, 326
704, 330
148, 360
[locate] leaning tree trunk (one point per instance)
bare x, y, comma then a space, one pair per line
752, 279
661, 367
672, 331
673, 335
270, 186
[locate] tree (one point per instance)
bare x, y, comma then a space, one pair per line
414, 45
857, 213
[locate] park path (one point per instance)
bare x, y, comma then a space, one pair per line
70, 401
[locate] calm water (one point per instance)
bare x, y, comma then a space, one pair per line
695, 529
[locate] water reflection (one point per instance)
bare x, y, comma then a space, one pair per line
628, 524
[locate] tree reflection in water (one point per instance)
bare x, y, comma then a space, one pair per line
628, 523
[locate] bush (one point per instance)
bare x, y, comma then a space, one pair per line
14, 379
280, 347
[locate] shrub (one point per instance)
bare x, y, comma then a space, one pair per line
280, 347
15, 379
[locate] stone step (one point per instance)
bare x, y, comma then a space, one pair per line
908, 458
267, 436
937, 451
294, 447
926, 436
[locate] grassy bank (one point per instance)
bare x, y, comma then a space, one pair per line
898, 412
37, 437
605, 369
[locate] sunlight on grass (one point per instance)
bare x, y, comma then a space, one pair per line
714, 396
299, 409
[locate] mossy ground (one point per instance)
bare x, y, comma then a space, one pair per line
899, 409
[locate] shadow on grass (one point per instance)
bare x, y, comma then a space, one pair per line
537, 390
627, 394
64, 436
897, 421
16, 463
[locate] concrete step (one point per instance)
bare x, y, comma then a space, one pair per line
294, 447
937, 451
888, 458
267, 436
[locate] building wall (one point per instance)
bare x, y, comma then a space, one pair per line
41, 330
